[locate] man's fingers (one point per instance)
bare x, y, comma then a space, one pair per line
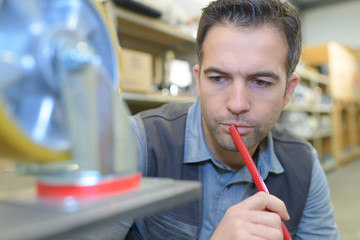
257, 217
264, 231
262, 201
249, 224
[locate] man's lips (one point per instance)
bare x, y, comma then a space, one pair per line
242, 128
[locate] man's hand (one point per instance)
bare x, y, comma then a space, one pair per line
257, 217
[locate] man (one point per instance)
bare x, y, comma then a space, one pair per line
247, 52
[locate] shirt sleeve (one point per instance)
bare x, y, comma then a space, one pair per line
318, 221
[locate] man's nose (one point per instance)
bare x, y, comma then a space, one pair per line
238, 98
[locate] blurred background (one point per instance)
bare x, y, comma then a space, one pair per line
157, 55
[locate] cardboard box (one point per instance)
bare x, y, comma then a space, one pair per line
136, 71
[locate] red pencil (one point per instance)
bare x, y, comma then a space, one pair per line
253, 170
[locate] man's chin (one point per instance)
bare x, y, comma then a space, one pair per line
228, 145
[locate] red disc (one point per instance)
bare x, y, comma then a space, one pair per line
103, 188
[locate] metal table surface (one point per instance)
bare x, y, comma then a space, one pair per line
25, 216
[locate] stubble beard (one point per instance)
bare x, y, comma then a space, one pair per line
225, 141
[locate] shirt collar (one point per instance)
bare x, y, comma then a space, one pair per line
196, 151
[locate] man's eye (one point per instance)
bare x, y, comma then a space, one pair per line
217, 79
262, 83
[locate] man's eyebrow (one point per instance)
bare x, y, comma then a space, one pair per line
265, 74
253, 75
215, 70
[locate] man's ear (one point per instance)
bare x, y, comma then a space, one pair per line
196, 70
293, 82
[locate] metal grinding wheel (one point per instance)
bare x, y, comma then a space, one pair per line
58, 91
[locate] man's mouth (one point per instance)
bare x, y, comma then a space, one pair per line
242, 128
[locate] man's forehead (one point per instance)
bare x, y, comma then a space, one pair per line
225, 44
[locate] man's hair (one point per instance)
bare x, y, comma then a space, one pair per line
254, 13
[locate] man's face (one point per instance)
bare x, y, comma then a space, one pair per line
242, 81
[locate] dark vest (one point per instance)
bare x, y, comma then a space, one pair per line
165, 130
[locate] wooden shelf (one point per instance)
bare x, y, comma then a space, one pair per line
315, 108
341, 63
320, 138
142, 28
138, 102
155, 98
320, 135
155, 37
314, 76
346, 129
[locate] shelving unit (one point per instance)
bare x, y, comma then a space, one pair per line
153, 36
136, 28
342, 65
309, 116
346, 118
